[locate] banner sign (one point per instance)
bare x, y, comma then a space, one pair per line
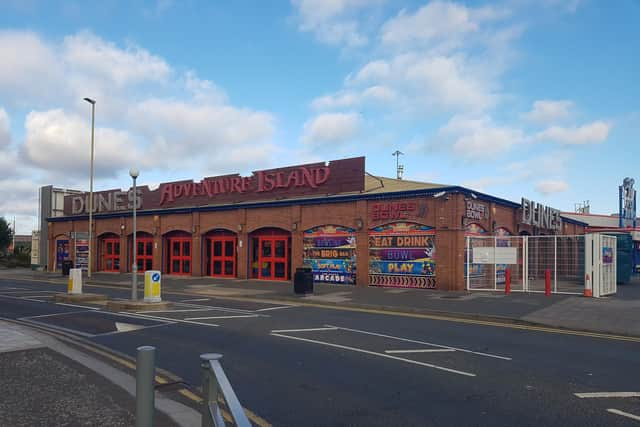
627, 213
62, 252
402, 255
475, 210
330, 251
314, 179
82, 254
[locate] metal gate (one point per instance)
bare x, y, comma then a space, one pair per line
533, 261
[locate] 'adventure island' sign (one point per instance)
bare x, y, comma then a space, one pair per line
337, 176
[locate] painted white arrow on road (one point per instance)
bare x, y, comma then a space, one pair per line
127, 327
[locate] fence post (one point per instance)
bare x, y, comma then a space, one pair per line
145, 392
507, 281
547, 282
555, 263
209, 388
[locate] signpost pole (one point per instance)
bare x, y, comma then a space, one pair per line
134, 268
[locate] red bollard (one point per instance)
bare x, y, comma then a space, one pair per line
507, 281
547, 282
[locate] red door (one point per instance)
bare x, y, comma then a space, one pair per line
144, 253
180, 255
223, 257
272, 258
111, 254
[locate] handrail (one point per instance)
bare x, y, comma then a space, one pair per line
214, 381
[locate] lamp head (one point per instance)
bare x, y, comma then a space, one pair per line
90, 101
134, 173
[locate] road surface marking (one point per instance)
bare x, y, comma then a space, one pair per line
445, 318
78, 306
328, 328
32, 291
624, 414
373, 353
217, 308
422, 342
421, 350
195, 300
36, 296
52, 314
221, 317
605, 394
276, 308
174, 311
146, 316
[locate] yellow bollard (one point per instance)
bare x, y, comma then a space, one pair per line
152, 284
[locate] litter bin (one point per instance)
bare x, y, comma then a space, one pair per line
303, 280
66, 266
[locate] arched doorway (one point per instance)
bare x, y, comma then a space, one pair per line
144, 251
109, 247
220, 253
270, 254
178, 255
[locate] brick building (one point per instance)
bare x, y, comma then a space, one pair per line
349, 226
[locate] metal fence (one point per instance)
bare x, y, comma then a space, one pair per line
216, 385
529, 260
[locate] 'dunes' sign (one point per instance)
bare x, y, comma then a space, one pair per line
539, 215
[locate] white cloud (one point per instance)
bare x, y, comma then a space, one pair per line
333, 21
594, 132
379, 93
90, 55
331, 128
549, 111
438, 24
182, 132
59, 143
476, 138
337, 100
435, 20
551, 186
373, 71
5, 129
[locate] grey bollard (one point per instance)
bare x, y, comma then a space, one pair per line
145, 390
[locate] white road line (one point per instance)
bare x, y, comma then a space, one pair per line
217, 308
146, 316
34, 291
608, 394
174, 311
421, 350
195, 300
624, 414
36, 296
277, 308
373, 353
76, 305
464, 350
51, 315
222, 317
329, 328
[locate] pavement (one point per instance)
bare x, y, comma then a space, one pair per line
45, 382
617, 314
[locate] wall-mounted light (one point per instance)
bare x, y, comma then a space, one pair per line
294, 226
439, 194
239, 227
359, 223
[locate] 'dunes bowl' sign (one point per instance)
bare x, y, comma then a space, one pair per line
539, 215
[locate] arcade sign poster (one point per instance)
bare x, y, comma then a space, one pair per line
402, 255
62, 252
330, 251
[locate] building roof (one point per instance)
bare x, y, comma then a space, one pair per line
379, 184
595, 220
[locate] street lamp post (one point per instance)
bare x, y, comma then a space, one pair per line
133, 172
93, 117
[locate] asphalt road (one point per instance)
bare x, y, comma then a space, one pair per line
296, 365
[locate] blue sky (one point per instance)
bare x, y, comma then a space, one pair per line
514, 98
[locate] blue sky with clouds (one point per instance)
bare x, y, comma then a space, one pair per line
514, 98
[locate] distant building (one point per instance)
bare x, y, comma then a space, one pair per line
51, 205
